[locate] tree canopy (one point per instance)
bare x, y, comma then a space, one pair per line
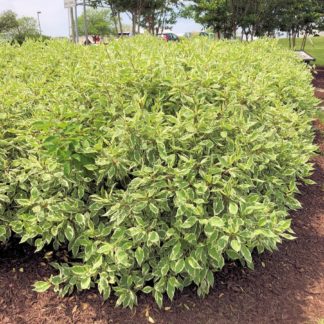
99, 22
153, 15
8, 21
256, 17
17, 29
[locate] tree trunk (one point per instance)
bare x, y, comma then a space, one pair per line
289, 39
304, 41
294, 35
139, 25
134, 20
119, 22
234, 31
153, 23
138, 22
114, 18
115, 25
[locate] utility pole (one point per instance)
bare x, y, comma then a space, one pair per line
85, 23
39, 25
72, 25
76, 23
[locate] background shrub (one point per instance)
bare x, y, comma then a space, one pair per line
151, 163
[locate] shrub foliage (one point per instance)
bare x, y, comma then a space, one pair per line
151, 163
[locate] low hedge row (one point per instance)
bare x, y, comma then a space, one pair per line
151, 163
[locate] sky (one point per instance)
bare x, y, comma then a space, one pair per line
54, 17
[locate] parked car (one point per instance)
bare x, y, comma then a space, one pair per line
169, 37
124, 34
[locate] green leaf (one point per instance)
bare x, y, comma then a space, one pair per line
171, 286
139, 206
104, 287
191, 221
3, 231
158, 298
176, 252
147, 290
236, 245
233, 209
165, 269
179, 266
79, 270
139, 255
121, 257
85, 283
215, 254
232, 254
216, 222
97, 263
69, 232
222, 242
106, 248
154, 209
193, 263
153, 238
67, 168
4, 198
288, 236
246, 253
41, 286
80, 219
223, 134
210, 278
218, 205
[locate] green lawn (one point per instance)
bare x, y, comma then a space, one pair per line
314, 46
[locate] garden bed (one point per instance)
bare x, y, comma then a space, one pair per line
285, 287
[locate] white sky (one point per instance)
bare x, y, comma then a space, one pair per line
54, 18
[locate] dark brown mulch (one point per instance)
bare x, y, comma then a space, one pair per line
318, 80
285, 287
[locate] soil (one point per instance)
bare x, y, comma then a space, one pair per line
286, 286
318, 83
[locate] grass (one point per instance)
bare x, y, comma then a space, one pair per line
314, 46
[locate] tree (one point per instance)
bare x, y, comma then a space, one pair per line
158, 15
153, 15
18, 29
27, 28
8, 21
257, 17
115, 11
99, 22
213, 14
297, 17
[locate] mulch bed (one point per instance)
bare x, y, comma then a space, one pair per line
285, 287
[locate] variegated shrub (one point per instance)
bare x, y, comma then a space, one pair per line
151, 163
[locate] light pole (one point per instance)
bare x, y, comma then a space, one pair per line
39, 25
85, 23
76, 23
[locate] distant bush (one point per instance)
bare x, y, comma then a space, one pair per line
152, 163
